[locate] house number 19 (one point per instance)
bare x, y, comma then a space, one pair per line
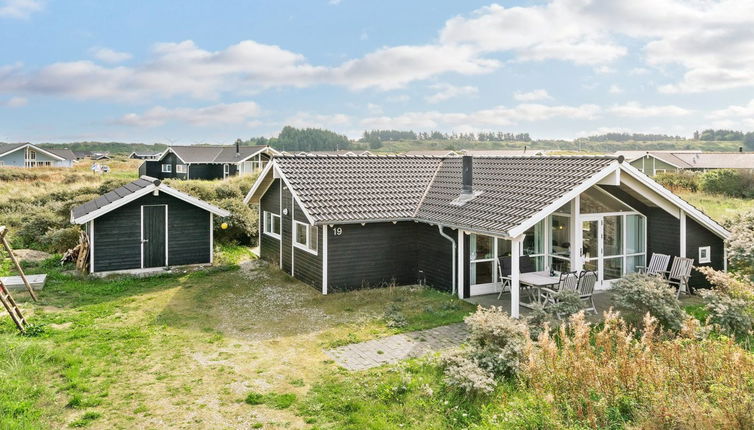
337, 231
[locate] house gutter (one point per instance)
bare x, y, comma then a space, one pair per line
453, 261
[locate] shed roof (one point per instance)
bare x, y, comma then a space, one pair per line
697, 159
130, 192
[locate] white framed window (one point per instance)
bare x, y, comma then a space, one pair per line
705, 254
180, 168
305, 237
167, 168
272, 224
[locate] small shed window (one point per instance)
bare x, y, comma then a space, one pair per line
704, 254
272, 224
167, 168
180, 168
305, 237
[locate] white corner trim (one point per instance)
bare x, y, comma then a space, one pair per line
91, 247
682, 250
690, 210
258, 182
324, 259
211, 238
552, 207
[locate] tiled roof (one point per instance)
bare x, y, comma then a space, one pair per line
513, 189
7, 147
698, 159
214, 154
110, 197
342, 189
63, 152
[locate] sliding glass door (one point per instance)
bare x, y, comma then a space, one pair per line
612, 245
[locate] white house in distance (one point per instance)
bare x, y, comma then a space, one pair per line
30, 155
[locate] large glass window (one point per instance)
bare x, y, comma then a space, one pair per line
634, 234
560, 243
613, 235
595, 200
534, 244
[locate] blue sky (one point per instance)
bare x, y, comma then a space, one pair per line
197, 71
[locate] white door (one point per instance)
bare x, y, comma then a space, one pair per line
482, 265
602, 247
226, 170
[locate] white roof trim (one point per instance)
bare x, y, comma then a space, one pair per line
267, 150
258, 182
690, 210
171, 150
146, 190
293, 193
565, 198
36, 148
112, 206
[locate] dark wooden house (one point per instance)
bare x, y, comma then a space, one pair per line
146, 224
207, 162
340, 222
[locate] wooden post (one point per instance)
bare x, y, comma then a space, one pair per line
515, 275
3, 232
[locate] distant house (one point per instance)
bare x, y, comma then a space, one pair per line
207, 162
134, 155
501, 152
146, 224
343, 223
654, 162
30, 155
96, 156
433, 153
345, 152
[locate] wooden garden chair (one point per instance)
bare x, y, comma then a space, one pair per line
657, 264
679, 274
587, 282
568, 281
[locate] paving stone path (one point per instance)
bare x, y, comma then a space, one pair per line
364, 355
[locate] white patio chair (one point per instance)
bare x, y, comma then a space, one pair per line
657, 264
679, 274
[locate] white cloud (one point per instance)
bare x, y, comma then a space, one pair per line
734, 116
374, 109
636, 110
19, 9
399, 98
532, 96
499, 116
219, 114
110, 56
15, 102
615, 89
636, 71
447, 91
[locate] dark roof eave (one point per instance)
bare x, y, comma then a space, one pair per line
470, 229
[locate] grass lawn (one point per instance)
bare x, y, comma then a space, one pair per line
227, 347
717, 207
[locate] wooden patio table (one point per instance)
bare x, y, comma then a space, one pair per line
537, 281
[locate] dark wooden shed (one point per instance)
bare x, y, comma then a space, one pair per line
146, 224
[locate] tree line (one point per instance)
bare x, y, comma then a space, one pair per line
304, 139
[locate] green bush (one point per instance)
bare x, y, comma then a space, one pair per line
681, 180
728, 182
495, 350
730, 315
37, 224
60, 240
642, 294
567, 303
243, 222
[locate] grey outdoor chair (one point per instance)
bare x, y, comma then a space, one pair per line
568, 281
679, 274
525, 265
587, 281
657, 264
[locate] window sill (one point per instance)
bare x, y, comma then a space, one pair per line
272, 235
304, 248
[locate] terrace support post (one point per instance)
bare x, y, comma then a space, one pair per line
20, 271
515, 274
